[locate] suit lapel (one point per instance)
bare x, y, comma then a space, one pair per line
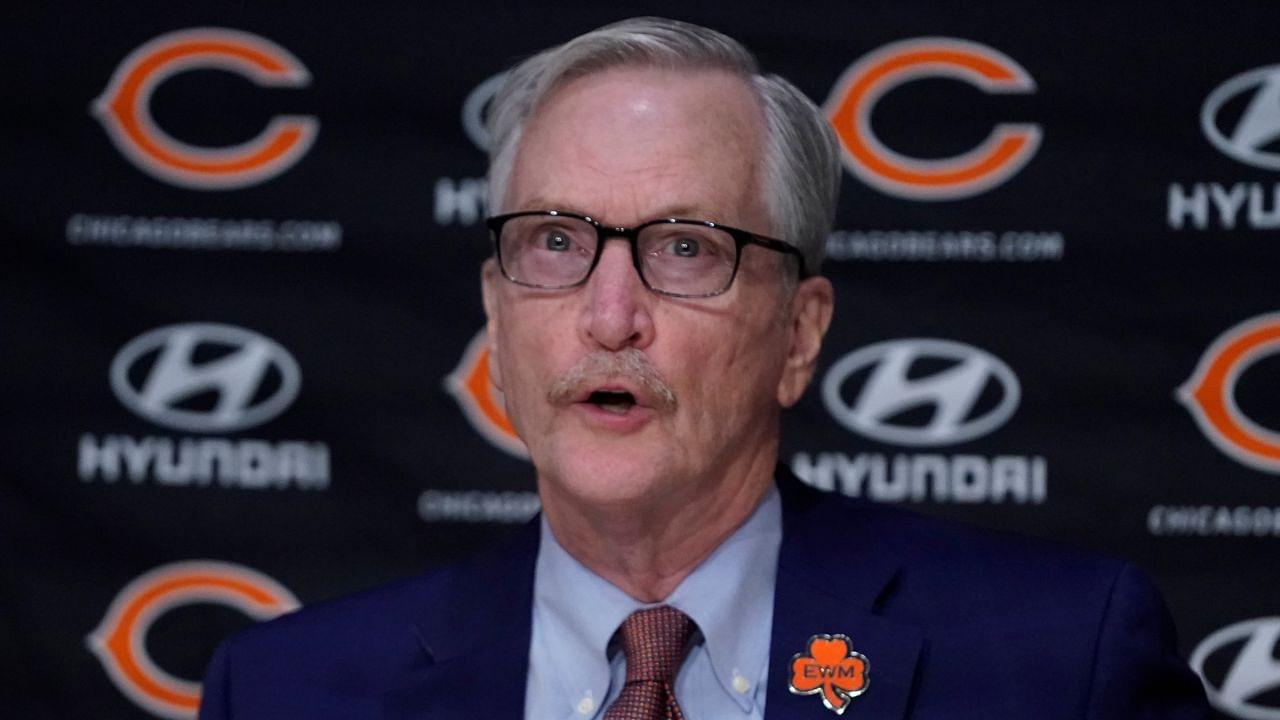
833, 569
474, 635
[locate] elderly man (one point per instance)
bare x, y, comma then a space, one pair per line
653, 305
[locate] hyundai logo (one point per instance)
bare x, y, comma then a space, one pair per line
1241, 117
920, 391
475, 110
205, 377
1251, 668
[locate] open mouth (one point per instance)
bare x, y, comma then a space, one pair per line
617, 402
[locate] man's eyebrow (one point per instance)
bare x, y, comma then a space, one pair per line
684, 211
541, 203
667, 211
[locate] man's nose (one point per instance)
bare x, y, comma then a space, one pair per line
617, 306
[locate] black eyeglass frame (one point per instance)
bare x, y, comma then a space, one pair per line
741, 239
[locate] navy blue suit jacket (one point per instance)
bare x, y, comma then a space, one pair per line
956, 623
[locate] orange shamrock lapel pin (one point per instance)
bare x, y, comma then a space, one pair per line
828, 666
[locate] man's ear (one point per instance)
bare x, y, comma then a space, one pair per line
489, 291
810, 316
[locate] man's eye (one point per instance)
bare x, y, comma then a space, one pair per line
684, 247
558, 242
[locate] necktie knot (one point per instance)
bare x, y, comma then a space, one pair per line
654, 642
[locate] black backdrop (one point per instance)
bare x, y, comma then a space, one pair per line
241, 377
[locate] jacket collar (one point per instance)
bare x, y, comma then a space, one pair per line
837, 564
475, 638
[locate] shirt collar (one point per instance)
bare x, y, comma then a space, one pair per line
581, 610
729, 596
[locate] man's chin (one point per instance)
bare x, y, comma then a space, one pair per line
603, 480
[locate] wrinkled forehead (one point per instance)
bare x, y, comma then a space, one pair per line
636, 139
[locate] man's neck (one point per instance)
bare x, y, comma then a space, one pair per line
647, 551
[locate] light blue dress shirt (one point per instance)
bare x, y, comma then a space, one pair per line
574, 672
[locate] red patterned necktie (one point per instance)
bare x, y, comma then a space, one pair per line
654, 642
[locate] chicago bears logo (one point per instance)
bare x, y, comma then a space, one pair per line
995, 160
120, 641
480, 400
124, 109
1210, 394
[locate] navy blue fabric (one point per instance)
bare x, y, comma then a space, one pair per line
956, 623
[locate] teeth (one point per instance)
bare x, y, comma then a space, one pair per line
617, 403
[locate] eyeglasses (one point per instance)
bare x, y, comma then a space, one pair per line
553, 250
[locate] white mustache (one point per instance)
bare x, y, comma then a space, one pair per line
601, 366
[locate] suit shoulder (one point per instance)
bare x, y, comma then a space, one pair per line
385, 622
330, 659
978, 567
938, 540
369, 619
337, 658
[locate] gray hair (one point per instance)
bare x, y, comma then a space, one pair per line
801, 169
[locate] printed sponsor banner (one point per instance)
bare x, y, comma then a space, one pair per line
239, 304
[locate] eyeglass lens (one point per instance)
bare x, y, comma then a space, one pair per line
678, 258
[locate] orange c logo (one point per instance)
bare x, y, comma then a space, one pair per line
995, 160
1210, 393
124, 109
483, 403
120, 639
